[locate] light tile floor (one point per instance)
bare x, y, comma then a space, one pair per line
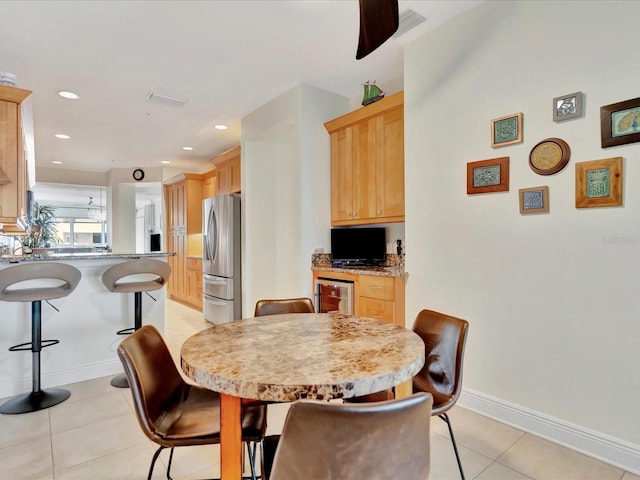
95, 436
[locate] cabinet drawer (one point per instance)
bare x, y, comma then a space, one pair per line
376, 287
374, 308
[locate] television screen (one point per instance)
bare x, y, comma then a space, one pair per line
358, 246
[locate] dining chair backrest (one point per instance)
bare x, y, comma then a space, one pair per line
336, 441
155, 381
444, 337
283, 305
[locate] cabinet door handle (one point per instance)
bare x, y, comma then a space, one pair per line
379, 212
375, 287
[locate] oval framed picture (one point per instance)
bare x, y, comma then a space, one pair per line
549, 156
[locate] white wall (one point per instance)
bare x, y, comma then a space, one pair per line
551, 298
285, 192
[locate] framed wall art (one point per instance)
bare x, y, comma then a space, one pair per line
567, 107
486, 176
534, 200
620, 123
506, 130
599, 183
549, 156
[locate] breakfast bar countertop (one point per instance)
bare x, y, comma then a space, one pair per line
46, 257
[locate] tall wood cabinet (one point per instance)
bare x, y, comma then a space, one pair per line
367, 164
183, 205
13, 160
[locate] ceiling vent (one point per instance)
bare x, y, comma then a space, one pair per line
408, 20
158, 97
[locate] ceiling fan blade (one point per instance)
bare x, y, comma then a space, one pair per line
378, 21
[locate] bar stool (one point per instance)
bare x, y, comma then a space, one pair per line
115, 280
67, 278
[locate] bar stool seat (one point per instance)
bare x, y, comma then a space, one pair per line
22, 283
126, 277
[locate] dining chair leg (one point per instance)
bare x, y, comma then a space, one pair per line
153, 461
252, 458
169, 465
445, 417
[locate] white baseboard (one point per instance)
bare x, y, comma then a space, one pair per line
598, 445
55, 379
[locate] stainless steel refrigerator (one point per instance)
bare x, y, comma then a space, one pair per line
221, 283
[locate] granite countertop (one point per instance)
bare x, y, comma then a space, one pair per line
394, 266
314, 355
397, 271
46, 257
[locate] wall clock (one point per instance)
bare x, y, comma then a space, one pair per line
138, 174
549, 156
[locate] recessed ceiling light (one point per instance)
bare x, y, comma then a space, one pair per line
62, 136
188, 149
56, 162
220, 127
68, 95
165, 162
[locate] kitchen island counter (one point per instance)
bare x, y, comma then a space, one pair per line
86, 324
53, 256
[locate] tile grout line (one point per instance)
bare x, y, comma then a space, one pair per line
53, 468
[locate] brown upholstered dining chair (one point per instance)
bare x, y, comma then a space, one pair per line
444, 337
171, 412
336, 441
283, 305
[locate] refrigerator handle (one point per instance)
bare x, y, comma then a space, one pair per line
215, 302
212, 239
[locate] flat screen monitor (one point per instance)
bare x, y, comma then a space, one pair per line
358, 246
154, 240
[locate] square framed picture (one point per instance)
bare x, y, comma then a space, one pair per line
620, 123
599, 183
534, 200
486, 176
567, 107
506, 130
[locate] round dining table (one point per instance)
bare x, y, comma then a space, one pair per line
283, 358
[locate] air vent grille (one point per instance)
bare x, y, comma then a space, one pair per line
165, 99
408, 20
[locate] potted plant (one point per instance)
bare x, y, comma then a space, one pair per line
41, 229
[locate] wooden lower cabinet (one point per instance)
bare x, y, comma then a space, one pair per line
194, 282
176, 242
374, 296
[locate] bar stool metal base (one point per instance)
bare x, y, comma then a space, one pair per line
120, 381
34, 401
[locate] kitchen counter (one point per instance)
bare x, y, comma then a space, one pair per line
396, 271
86, 324
394, 266
46, 257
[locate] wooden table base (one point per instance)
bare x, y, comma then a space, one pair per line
230, 437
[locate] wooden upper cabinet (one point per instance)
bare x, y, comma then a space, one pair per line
367, 164
234, 173
13, 160
228, 171
390, 164
210, 184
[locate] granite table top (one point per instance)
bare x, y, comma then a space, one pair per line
314, 355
